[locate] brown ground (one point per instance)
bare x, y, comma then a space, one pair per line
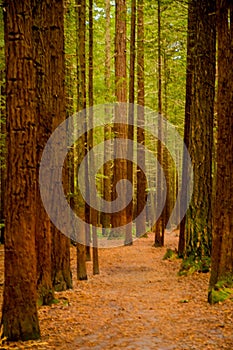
137, 302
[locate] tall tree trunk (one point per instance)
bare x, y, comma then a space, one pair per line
41, 42
199, 215
107, 181
222, 251
120, 129
80, 147
2, 151
61, 273
166, 159
188, 102
19, 312
141, 180
129, 236
93, 212
159, 227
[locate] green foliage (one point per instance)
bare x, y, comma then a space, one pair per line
193, 264
170, 255
223, 290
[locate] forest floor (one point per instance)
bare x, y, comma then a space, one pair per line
137, 302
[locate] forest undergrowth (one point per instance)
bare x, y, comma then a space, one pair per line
137, 302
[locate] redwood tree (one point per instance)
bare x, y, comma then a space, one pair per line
120, 129
41, 39
188, 102
19, 312
199, 215
222, 251
141, 181
61, 273
79, 149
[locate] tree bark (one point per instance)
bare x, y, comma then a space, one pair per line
120, 129
188, 102
141, 180
19, 313
159, 227
222, 251
130, 177
80, 150
199, 215
41, 45
61, 273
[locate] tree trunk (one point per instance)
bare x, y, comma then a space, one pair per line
61, 273
199, 215
188, 102
2, 151
222, 251
129, 236
159, 227
141, 180
93, 212
41, 42
19, 313
80, 151
120, 128
107, 181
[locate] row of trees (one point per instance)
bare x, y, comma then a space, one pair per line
36, 254
36, 103
206, 231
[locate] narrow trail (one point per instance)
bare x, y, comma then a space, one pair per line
137, 302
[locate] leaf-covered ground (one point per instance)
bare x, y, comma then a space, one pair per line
137, 302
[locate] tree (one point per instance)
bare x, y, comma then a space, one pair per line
41, 40
2, 128
19, 313
107, 180
93, 213
80, 150
159, 229
199, 215
61, 273
222, 251
120, 128
189, 84
128, 237
141, 181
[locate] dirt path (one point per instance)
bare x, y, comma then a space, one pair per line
137, 302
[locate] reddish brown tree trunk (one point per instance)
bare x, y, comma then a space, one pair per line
41, 40
199, 215
120, 129
141, 180
19, 313
189, 84
61, 273
159, 227
80, 147
222, 251
129, 235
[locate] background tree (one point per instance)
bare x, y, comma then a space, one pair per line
188, 101
120, 129
141, 181
159, 229
222, 251
80, 148
129, 235
93, 212
61, 273
107, 180
19, 313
